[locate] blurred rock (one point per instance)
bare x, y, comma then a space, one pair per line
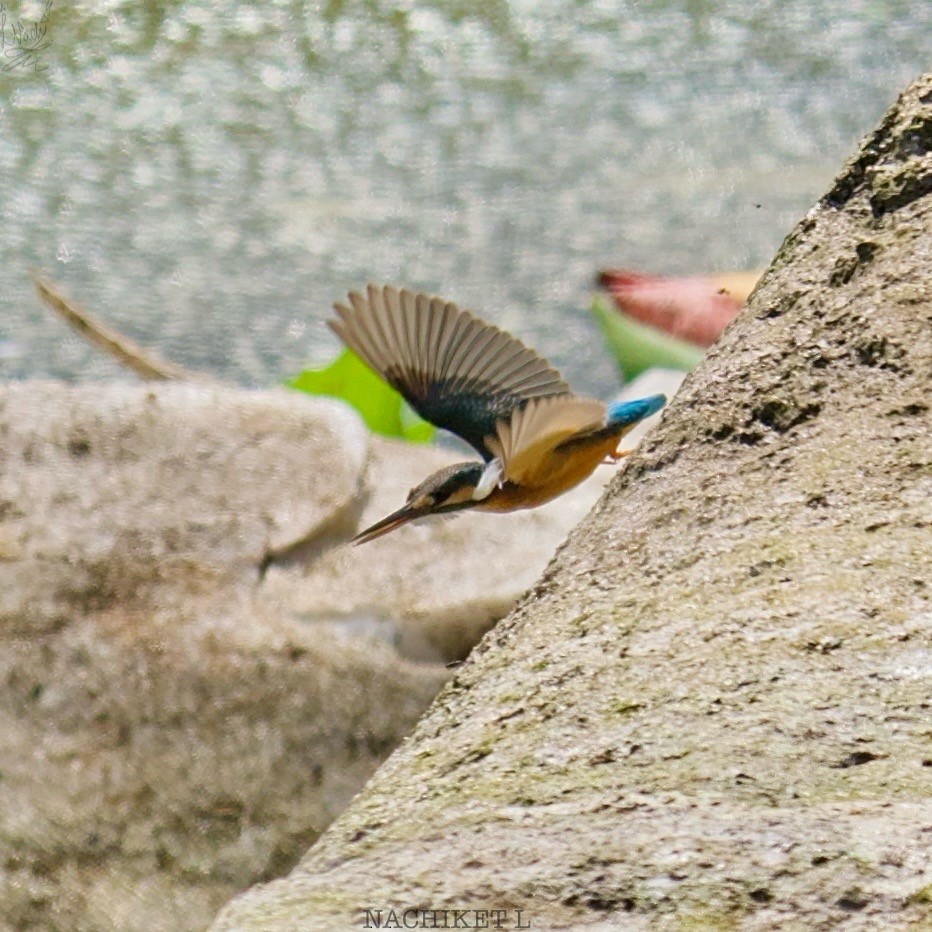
154, 764
111, 493
166, 738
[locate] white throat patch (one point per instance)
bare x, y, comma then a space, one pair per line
490, 478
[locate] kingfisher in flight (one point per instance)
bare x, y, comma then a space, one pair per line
537, 439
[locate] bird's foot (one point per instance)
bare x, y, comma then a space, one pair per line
612, 458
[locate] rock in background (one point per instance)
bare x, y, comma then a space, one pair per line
111, 495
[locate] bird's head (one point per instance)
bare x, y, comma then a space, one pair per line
450, 489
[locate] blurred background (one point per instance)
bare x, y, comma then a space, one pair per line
208, 177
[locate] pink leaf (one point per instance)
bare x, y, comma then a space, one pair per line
695, 309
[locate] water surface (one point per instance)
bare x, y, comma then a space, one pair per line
209, 177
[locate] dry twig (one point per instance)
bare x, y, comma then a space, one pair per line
139, 361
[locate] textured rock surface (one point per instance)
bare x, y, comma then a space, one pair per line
713, 711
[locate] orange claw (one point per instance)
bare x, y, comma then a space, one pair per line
695, 309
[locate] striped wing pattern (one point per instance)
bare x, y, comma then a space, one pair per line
523, 441
457, 371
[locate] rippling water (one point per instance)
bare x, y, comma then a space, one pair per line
209, 177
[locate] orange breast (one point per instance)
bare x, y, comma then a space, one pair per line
558, 472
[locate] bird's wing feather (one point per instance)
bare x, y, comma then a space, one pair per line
455, 370
523, 440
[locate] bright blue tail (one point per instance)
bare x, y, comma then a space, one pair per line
630, 412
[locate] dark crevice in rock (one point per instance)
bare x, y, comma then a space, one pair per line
781, 416
857, 759
895, 189
852, 179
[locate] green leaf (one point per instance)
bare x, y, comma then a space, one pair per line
637, 347
380, 406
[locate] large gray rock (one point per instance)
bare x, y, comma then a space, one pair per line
713, 709
153, 764
111, 493
166, 738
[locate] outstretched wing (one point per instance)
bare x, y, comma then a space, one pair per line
522, 441
455, 370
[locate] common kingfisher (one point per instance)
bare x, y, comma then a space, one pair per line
537, 439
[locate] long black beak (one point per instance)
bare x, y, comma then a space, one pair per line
395, 519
